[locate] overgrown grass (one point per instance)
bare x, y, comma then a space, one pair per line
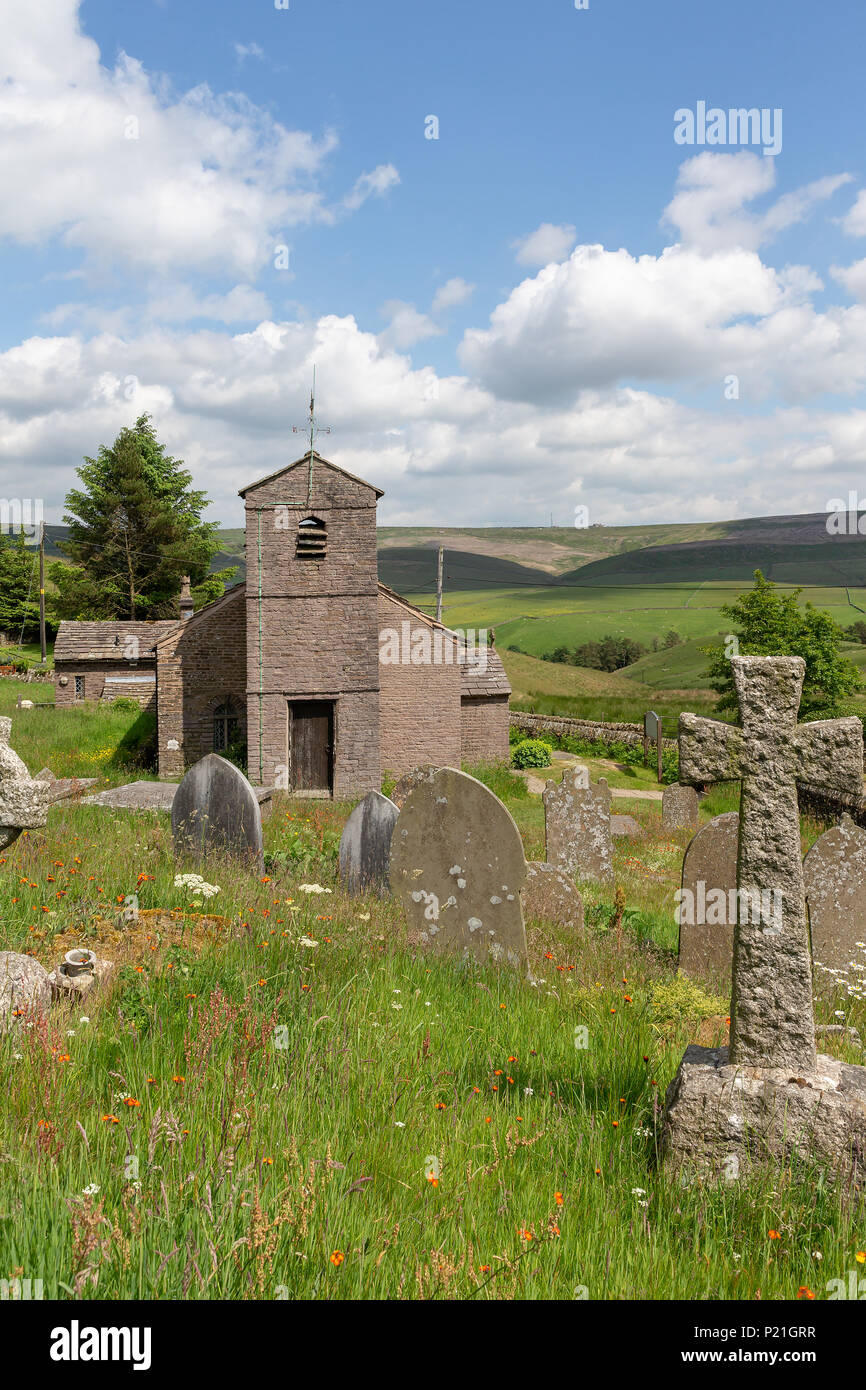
245, 1114
87, 740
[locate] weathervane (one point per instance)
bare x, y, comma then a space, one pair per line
314, 431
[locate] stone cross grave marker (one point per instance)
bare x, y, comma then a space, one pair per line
834, 871
23, 803
216, 809
769, 1099
458, 866
365, 845
772, 1012
577, 825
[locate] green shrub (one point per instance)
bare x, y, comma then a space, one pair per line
682, 999
531, 752
500, 779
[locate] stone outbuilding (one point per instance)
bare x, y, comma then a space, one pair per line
326, 678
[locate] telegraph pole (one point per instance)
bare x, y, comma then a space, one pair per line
439, 586
42, 591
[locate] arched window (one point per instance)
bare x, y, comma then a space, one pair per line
312, 541
225, 726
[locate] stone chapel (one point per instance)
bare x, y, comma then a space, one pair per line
299, 663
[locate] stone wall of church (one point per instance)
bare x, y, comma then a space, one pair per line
419, 703
200, 666
484, 729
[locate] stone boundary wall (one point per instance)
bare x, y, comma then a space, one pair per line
831, 805
534, 724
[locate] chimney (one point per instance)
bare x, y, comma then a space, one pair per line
186, 603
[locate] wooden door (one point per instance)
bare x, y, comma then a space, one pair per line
312, 745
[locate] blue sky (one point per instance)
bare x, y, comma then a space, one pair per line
476, 356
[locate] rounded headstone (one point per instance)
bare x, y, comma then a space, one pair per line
216, 809
679, 806
458, 866
834, 873
365, 844
706, 922
405, 784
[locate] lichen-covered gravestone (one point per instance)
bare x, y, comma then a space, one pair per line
834, 872
704, 902
679, 806
769, 1098
365, 845
405, 784
577, 826
23, 802
549, 895
215, 810
457, 865
24, 987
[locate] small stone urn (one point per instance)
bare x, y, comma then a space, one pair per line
78, 962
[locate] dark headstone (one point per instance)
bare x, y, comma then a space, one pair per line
216, 809
704, 906
365, 845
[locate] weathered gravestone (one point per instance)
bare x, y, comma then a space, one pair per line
679, 806
770, 1096
23, 803
834, 872
548, 895
216, 810
365, 844
458, 866
705, 911
24, 988
577, 825
624, 825
405, 784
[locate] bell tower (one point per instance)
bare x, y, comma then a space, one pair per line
312, 630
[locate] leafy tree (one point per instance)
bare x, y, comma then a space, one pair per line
856, 632
769, 623
135, 530
672, 638
19, 588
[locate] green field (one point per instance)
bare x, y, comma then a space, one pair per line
538, 620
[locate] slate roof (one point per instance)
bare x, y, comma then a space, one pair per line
487, 683
86, 641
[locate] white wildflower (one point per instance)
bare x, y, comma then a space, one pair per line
313, 888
